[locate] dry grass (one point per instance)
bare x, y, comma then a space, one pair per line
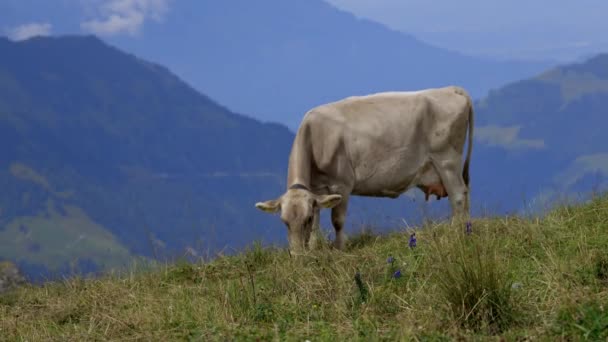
537, 279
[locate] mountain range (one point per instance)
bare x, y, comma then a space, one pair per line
276, 59
272, 59
106, 155
543, 137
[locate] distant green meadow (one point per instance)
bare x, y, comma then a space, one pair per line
58, 234
53, 239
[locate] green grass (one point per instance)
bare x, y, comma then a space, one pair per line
518, 279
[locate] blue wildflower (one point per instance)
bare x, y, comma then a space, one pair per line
469, 229
412, 242
390, 260
397, 274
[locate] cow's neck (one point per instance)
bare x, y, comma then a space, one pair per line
300, 160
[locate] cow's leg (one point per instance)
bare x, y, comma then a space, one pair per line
338, 216
313, 243
448, 165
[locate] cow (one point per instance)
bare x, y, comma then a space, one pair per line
377, 145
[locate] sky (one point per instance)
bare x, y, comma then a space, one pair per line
526, 29
557, 30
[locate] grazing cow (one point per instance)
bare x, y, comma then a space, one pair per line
378, 145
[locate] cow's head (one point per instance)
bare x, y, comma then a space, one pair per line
300, 212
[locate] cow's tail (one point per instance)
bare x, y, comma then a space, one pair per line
467, 162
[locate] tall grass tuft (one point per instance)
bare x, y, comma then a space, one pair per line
474, 280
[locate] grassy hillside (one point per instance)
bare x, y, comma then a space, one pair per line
544, 279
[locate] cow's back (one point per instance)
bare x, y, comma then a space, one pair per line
396, 107
392, 119
386, 137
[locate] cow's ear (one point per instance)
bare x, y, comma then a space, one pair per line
329, 201
271, 206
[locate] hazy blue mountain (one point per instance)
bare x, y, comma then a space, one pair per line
276, 59
544, 137
105, 156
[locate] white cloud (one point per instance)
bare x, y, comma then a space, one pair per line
125, 16
583, 166
506, 137
30, 30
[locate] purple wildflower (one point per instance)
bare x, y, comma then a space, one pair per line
390, 260
469, 228
397, 274
412, 242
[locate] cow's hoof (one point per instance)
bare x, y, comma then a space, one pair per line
341, 246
